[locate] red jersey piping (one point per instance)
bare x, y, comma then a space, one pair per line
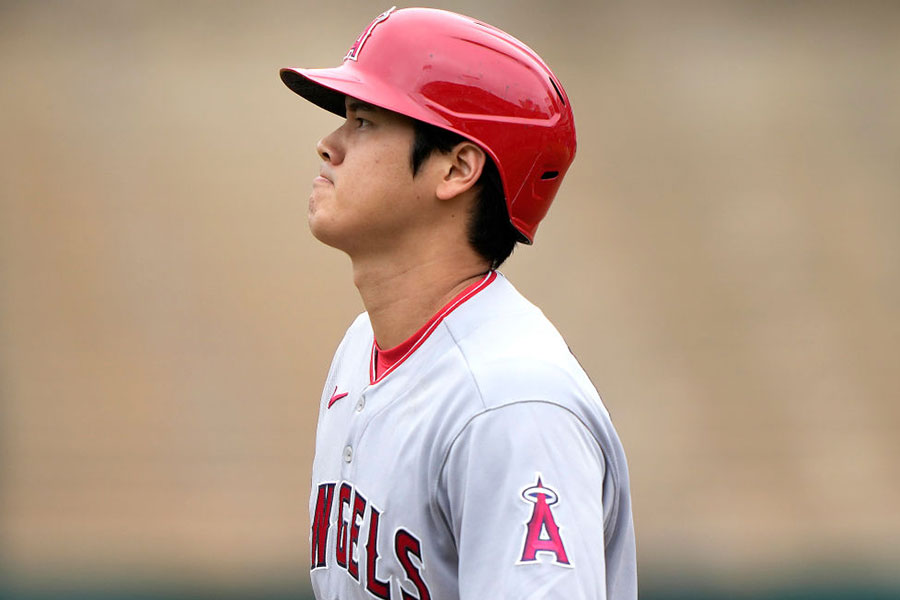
428, 329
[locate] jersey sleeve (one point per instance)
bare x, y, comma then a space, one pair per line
522, 490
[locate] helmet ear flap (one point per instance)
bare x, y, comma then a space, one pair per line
530, 207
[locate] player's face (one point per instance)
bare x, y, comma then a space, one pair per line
366, 195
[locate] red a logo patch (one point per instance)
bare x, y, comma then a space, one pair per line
356, 48
542, 533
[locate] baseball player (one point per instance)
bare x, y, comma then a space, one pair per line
461, 451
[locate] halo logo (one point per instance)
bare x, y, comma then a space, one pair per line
541, 531
356, 48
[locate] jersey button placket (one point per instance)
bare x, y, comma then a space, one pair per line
355, 429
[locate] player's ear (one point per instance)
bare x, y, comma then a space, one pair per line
461, 169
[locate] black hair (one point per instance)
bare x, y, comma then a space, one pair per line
490, 232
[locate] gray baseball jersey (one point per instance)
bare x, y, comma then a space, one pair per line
482, 465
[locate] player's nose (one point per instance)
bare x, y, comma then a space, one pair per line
328, 149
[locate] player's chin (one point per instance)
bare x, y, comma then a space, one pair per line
323, 227
317, 208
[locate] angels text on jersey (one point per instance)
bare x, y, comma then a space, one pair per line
352, 510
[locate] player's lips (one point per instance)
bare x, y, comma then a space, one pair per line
324, 177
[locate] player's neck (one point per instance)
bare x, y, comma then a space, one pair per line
402, 295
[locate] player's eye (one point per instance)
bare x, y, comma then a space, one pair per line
360, 122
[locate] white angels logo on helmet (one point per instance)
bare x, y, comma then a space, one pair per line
356, 48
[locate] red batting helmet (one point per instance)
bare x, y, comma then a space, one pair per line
460, 74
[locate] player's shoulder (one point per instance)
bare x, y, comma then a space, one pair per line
501, 316
358, 337
361, 324
514, 353
360, 327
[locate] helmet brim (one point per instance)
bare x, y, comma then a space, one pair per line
328, 87
312, 84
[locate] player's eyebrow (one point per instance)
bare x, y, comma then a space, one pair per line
358, 105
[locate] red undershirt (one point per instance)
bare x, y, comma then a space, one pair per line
385, 360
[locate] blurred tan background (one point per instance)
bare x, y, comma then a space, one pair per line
724, 259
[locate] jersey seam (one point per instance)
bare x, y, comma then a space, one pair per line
468, 366
474, 380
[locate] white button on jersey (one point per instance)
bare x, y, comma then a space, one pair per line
361, 404
348, 454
